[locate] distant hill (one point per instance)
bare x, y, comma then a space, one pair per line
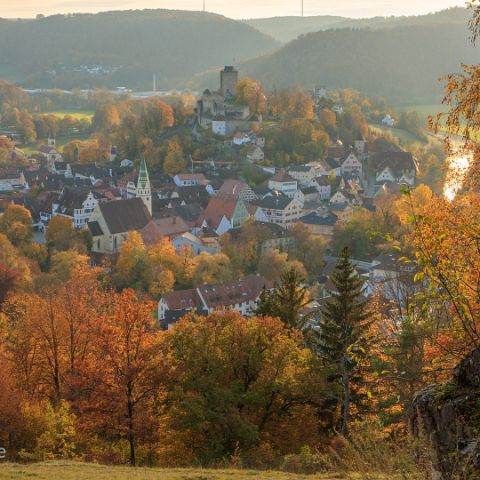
129, 46
285, 29
402, 64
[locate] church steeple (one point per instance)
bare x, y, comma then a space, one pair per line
144, 189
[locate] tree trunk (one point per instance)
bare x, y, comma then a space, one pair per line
131, 435
345, 400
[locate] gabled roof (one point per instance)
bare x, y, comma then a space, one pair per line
233, 188
125, 215
274, 202
300, 168
323, 181
217, 208
71, 199
315, 218
398, 162
274, 230
282, 176
183, 299
309, 190
95, 229
231, 293
168, 226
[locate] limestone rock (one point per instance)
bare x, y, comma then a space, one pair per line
447, 417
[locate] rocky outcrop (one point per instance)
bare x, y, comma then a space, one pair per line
447, 417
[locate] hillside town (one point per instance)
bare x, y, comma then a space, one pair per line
268, 269
200, 207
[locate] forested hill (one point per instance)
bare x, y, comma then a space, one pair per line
285, 29
172, 44
402, 64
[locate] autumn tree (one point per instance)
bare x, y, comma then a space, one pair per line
250, 92
123, 374
61, 235
233, 382
211, 269
174, 158
341, 339
16, 223
131, 264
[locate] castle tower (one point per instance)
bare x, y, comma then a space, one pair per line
228, 81
144, 189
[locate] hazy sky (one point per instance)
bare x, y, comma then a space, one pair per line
232, 8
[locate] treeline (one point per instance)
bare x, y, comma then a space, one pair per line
388, 62
131, 46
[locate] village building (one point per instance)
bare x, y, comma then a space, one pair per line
240, 296
195, 243
224, 213
237, 189
320, 224
166, 227
323, 186
307, 195
50, 152
280, 209
76, 205
282, 182
274, 237
255, 154
351, 164
218, 110
395, 167
189, 179
111, 222
304, 174
11, 178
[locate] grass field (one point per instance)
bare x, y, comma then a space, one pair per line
402, 135
31, 148
423, 110
79, 471
77, 114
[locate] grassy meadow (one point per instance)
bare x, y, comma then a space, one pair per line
80, 471
77, 114
61, 470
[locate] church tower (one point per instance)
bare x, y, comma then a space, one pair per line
144, 189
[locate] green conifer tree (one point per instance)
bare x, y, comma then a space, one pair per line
342, 336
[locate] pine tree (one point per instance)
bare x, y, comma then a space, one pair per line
342, 336
287, 300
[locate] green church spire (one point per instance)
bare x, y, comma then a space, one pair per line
143, 178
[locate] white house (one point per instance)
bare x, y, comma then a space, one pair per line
388, 121
189, 179
280, 209
284, 183
322, 184
194, 242
351, 164
77, 205
219, 126
241, 138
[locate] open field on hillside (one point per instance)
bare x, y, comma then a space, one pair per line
402, 135
31, 148
77, 114
423, 110
84, 471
